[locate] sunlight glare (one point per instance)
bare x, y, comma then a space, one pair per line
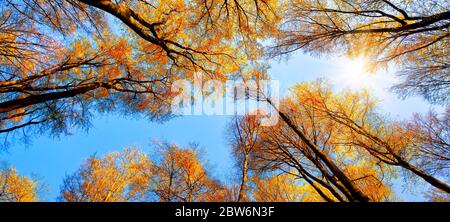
355, 73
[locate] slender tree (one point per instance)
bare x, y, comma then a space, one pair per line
243, 132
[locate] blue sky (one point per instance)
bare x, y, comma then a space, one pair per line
51, 159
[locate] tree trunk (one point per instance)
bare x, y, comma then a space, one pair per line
430, 179
351, 187
9, 106
244, 178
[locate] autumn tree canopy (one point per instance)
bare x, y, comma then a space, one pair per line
174, 175
328, 147
17, 188
117, 177
412, 34
61, 60
344, 148
181, 175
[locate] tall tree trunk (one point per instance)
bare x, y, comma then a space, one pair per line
11, 105
400, 160
244, 179
430, 179
351, 187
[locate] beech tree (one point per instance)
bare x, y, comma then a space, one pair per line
175, 175
117, 177
243, 132
180, 176
407, 145
323, 133
411, 34
432, 141
318, 117
61, 60
281, 151
17, 188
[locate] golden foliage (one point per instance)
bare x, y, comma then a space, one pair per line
180, 176
16, 188
130, 69
117, 177
412, 35
283, 188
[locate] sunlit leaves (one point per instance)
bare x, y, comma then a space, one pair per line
117, 177
177, 175
283, 188
408, 35
16, 188
67, 59
181, 176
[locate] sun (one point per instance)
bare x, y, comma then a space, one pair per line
357, 66
354, 72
